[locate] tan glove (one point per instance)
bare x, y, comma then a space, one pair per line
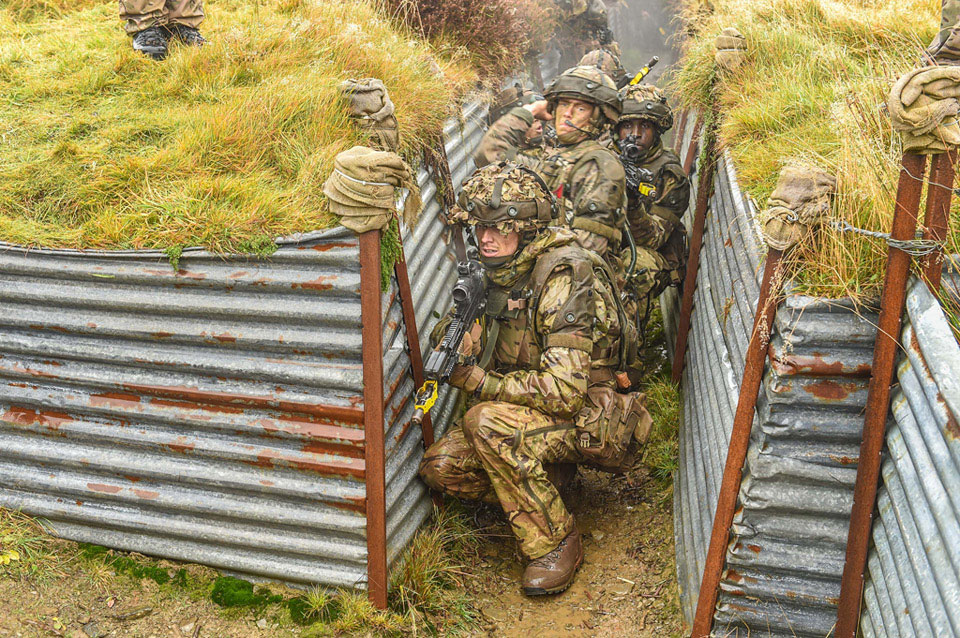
468, 377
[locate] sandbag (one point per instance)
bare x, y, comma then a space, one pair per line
731, 49
798, 205
362, 189
369, 103
923, 105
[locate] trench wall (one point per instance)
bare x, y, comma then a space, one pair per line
785, 557
214, 414
913, 569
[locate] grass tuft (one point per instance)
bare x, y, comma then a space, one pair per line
224, 147
816, 77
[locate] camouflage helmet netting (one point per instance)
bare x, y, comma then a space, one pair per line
524, 203
605, 61
645, 102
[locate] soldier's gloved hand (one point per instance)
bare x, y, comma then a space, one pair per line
539, 110
467, 378
470, 346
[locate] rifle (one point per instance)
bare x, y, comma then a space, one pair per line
470, 300
642, 73
639, 180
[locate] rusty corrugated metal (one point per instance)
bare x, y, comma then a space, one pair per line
214, 414
785, 557
913, 570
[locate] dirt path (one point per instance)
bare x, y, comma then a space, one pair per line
627, 585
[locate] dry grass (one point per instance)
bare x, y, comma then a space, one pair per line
221, 147
817, 74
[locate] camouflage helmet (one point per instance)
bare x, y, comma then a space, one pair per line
646, 102
587, 83
606, 62
506, 195
507, 99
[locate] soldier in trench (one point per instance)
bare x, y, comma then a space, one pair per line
153, 24
549, 350
586, 178
657, 197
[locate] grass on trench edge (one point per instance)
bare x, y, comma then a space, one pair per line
426, 594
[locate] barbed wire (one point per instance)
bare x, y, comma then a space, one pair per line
918, 247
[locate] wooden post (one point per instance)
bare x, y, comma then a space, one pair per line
413, 345
739, 442
878, 395
371, 316
937, 217
693, 262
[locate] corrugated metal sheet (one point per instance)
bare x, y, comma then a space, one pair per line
433, 273
786, 552
214, 414
913, 573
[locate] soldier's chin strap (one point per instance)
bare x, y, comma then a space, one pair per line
589, 134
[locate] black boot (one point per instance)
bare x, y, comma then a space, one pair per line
188, 35
152, 41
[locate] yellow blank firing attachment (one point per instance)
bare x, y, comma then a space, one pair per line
426, 396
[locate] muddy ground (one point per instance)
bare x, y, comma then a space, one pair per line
627, 584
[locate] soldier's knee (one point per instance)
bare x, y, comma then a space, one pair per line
477, 422
436, 470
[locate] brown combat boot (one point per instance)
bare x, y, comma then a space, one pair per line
554, 572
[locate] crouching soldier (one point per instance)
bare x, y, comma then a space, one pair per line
658, 194
586, 178
545, 386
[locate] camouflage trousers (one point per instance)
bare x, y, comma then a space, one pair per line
497, 454
652, 271
138, 15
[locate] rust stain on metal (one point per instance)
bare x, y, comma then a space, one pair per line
193, 405
754, 548
266, 483
335, 413
51, 362
111, 399
843, 459
320, 283
815, 365
830, 390
103, 489
346, 467
146, 494
161, 334
46, 418
182, 445
335, 244
132, 479
238, 275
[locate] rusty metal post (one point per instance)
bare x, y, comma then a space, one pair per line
693, 262
371, 316
878, 396
692, 149
936, 219
413, 346
679, 131
739, 441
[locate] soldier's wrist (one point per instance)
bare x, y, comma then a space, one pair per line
490, 386
474, 380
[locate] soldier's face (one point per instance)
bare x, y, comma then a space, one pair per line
573, 111
493, 243
645, 131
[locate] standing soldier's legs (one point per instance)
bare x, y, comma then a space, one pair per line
186, 12
451, 466
513, 443
138, 15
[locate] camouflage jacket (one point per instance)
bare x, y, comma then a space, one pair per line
652, 221
587, 178
551, 329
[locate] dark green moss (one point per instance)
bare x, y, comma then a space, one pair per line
122, 564
234, 592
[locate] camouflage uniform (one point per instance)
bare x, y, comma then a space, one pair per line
138, 15
544, 390
656, 219
609, 63
945, 48
528, 150
580, 22
586, 177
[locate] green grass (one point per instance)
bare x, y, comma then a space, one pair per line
817, 74
225, 147
426, 594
